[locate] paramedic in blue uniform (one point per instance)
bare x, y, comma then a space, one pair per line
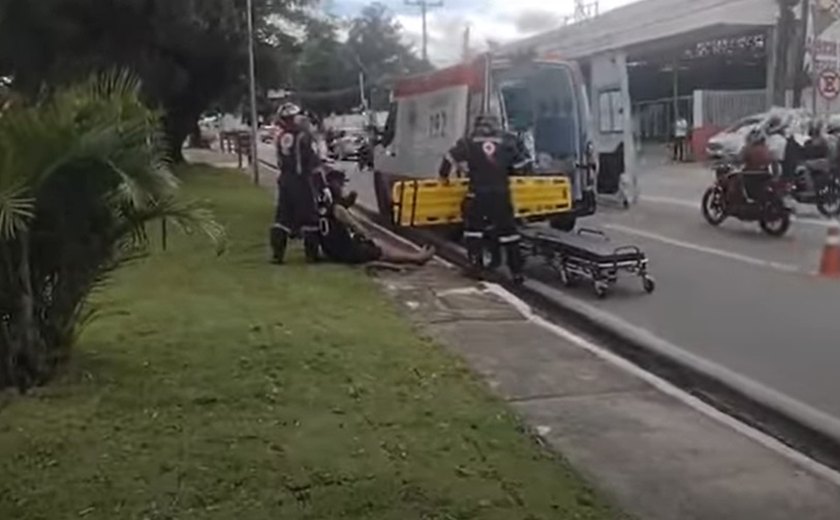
489, 156
297, 186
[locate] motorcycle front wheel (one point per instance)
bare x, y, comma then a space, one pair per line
713, 210
776, 227
828, 198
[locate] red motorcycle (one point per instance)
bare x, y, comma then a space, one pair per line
748, 196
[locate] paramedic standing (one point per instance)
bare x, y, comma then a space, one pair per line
297, 207
488, 157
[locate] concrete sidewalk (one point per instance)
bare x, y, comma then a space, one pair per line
640, 442
656, 456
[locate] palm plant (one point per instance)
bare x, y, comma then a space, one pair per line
81, 174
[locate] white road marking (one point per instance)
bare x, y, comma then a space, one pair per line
667, 388
788, 268
695, 205
672, 201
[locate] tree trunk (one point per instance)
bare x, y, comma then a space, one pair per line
25, 355
175, 136
178, 125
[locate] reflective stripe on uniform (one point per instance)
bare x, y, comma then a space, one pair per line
509, 239
310, 228
520, 164
473, 234
281, 227
297, 155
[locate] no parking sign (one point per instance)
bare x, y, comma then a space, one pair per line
829, 84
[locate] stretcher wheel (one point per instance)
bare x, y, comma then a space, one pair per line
601, 290
649, 284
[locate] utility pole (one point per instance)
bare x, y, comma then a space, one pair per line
252, 80
465, 44
425, 5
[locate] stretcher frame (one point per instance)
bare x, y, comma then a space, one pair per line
573, 263
542, 211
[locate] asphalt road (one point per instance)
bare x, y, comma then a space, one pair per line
731, 295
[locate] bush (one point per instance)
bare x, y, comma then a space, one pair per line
81, 174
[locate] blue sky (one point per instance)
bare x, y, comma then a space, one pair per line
500, 20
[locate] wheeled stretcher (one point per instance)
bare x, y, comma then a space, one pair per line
431, 202
587, 254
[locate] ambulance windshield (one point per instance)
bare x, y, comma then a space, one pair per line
540, 106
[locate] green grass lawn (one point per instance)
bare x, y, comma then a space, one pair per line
229, 388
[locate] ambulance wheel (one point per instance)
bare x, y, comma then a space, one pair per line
563, 223
649, 284
601, 290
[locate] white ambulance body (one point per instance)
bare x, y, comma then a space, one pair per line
543, 101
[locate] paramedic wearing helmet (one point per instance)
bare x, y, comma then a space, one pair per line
297, 207
488, 157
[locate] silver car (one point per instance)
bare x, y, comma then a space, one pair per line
730, 141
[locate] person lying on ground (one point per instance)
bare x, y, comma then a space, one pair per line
345, 240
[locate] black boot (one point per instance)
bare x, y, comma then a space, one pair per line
516, 262
495, 255
278, 238
311, 247
475, 256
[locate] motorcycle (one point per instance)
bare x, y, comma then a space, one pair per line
811, 180
814, 183
729, 197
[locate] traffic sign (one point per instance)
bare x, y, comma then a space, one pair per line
829, 84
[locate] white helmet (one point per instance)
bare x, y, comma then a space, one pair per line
288, 110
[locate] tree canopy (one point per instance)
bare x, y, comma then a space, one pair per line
188, 53
327, 69
191, 55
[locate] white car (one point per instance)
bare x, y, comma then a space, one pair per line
347, 147
730, 141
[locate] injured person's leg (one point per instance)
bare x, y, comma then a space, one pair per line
395, 255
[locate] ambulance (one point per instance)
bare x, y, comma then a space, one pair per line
542, 100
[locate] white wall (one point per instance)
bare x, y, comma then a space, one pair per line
646, 21
348, 121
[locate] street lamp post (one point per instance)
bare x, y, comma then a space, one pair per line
252, 85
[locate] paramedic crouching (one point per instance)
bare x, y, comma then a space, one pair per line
344, 240
488, 157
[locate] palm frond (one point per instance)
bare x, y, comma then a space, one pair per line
82, 172
16, 210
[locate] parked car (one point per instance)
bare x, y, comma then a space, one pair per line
730, 141
268, 133
346, 147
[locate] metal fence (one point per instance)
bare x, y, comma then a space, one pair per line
654, 119
721, 108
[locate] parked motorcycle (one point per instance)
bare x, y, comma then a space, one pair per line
730, 196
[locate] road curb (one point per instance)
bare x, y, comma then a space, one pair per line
795, 424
